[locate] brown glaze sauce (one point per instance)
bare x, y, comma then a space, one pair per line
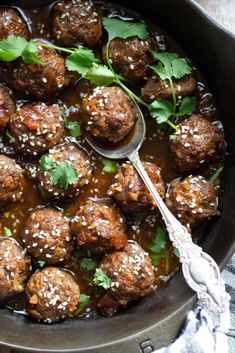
155, 149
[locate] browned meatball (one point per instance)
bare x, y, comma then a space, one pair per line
132, 276
109, 114
131, 57
196, 142
52, 295
7, 107
36, 127
78, 159
15, 268
11, 23
77, 22
99, 227
11, 181
47, 236
156, 88
192, 200
130, 191
43, 80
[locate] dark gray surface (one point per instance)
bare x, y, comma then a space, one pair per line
157, 318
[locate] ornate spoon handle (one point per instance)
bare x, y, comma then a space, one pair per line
200, 270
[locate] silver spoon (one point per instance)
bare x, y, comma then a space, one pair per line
200, 270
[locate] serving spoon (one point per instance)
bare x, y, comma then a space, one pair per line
199, 269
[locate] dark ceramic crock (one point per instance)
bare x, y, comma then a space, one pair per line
155, 321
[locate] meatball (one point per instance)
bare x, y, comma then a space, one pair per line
156, 88
11, 181
132, 276
63, 155
99, 227
129, 190
109, 114
77, 22
7, 107
44, 80
131, 57
51, 295
11, 23
15, 268
47, 236
192, 200
196, 142
36, 127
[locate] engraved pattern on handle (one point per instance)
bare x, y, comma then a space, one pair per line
199, 269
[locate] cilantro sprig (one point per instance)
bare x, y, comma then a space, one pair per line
215, 176
88, 264
109, 166
61, 175
158, 249
74, 127
101, 279
7, 232
83, 302
83, 61
169, 67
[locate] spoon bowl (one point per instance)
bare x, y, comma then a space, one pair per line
129, 145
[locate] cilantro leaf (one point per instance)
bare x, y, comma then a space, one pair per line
74, 127
80, 61
158, 243
187, 106
41, 263
29, 54
7, 232
161, 110
88, 264
215, 176
176, 252
101, 279
64, 175
100, 75
83, 302
170, 65
157, 258
109, 166
122, 29
12, 48
46, 163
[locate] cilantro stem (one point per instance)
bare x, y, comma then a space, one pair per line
173, 126
174, 99
49, 46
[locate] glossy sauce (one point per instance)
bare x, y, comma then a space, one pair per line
155, 149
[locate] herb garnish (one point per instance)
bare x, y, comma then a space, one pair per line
82, 60
62, 175
101, 279
74, 127
169, 67
13, 47
7, 232
158, 249
41, 263
88, 264
10, 136
109, 166
83, 301
216, 175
